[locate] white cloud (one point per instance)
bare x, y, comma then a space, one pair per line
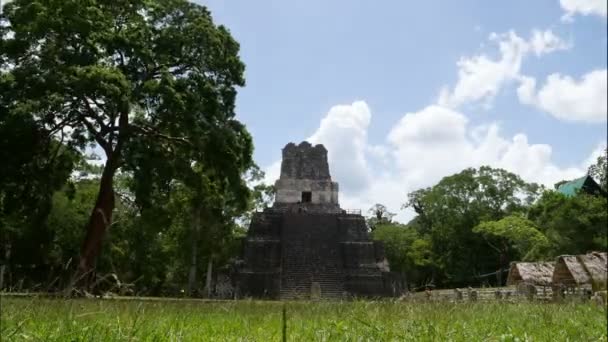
481, 77
423, 147
526, 90
343, 131
598, 151
272, 172
423, 162
583, 7
543, 42
568, 99
438, 140
420, 139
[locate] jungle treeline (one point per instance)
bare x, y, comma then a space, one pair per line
123, 165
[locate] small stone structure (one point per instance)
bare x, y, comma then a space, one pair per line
306, 246
305, 177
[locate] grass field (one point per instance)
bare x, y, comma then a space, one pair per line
24, 319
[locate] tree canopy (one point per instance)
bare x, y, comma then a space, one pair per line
514, 231
148, 81
151, 85
599, 170
448, 211
499, 216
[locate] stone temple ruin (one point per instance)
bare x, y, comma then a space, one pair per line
305, 245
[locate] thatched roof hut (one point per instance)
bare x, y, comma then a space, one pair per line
533, 273
582, 270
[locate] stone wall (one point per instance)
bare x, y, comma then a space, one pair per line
314, 248
305, 162
290, 191
304, 168
288, 254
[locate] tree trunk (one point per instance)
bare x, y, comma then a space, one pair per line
501, 262
499, 277
99, 222
196, 221
7, 256
209, 274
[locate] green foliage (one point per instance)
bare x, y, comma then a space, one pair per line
407, 252
153, 83
599, 170
517, 232
68, 217
379, 214
34, 165
573, 225
262, 195
448, 211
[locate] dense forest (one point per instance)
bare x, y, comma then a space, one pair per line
471, 225
150, 86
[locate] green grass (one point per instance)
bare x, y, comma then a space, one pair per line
108, 320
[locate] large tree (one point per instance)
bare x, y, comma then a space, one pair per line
449, 210
514, 232
572, 224
379, 214
599, 170
34, 166
127, 75
408, 253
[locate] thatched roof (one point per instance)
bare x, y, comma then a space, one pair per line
596, 265
586, 269
535, 273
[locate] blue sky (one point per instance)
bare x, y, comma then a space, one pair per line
524, 87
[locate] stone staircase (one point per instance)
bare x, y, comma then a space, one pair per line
311, 254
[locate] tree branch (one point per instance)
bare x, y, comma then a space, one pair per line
492, 245
61, 125
99, 105
59, 146
98, 137
106, 144
94, 115
152, 132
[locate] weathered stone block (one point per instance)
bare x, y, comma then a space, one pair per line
312, 249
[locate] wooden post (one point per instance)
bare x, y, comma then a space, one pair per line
209, 277
530, 292
458, 294
473, 295
284, 323
195, 227
7, 255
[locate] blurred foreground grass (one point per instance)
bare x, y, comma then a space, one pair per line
36, 319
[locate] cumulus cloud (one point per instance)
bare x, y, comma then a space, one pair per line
422, 138
420, 149
568, 99
543, 42
423, 162
481, 77
598, 151
583, 7
272, 172
343, 131
438, 140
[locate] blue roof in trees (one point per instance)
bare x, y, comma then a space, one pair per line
585, 184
